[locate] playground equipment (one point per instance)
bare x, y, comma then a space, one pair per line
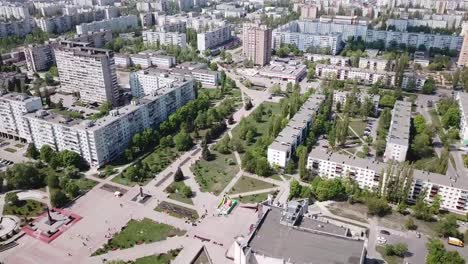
226, 205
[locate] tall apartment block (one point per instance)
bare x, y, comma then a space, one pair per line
463, 57
12, 108
308, 11
103, 140
462, 99
117, 24
39, 57
280, 151
256, 43
89, 71
398, 133
147, 82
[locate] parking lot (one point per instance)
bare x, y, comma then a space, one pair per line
416, 245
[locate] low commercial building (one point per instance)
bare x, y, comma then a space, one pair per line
370, 174
103, 140
118, 24
398, 133
164, 38
280, 151
462, 99
271, 239
12, 108
39, 57
213, 38
163, 61
291, 71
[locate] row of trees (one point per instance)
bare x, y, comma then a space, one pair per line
61, 159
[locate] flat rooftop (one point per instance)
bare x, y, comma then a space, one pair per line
400, 125
274, 240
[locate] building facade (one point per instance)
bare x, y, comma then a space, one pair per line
462, 99
213, 38
256, 43
463, 57
118, 24
39, 57
164, 38
89, 71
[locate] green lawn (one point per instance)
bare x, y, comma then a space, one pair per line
389, 259
85, 184
139, 232
262, 127
176, 195
248, 184
256, 198
176, 210
213, 176
157, 161
358, 125
158, 259
10, 150
25, 208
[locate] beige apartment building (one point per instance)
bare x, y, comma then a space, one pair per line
257, 41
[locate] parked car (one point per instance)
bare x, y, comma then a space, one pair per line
384, 232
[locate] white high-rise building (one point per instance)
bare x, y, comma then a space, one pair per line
148, 81
12, 108
398, 133
117, 24
89, 71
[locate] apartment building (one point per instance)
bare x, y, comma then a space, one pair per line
367, 76
39, 57
331, 43
463, 57
398, 133
148, 81
462, 99
213, 38
369, 173
163, 61
198, 23
333, 60
118, 24
308, 11
256, 43
291, 71
373, 64
12, 108
89, 71
101, 141
9, 10
96, 39
164, 38
16, 28
63, 23
342, 96
280, 151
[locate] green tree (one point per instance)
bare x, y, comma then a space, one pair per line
398, 249
294, 189
378, 206
32, 151
54, 71
422, 146
183, 141
429, 86
24, 176
437, 254
72, 189
178, 176
419, 124
302, 165
186, 191
451, 118
213, 66
59, 198
448, 227
70, 158
46, 153
53, 181
410, 225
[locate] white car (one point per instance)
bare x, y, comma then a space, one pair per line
381, 242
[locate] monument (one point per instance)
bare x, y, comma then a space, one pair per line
141, 197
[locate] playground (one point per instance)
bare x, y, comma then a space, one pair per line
226, 205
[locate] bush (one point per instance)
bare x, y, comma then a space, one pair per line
398, 249
410, 225
378, 206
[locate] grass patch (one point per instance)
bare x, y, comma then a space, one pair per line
255, 198
430, 164
261, 127
389, 259
138, 232
177, 194
85, 184
158, 259
10, 150
248, 184
277, 177
19, 145
24, 208
214, 175
177, 210
358, 125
